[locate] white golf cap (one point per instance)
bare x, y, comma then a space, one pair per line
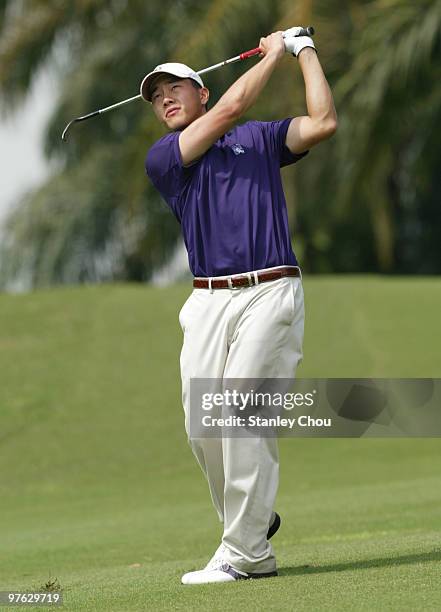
179, 70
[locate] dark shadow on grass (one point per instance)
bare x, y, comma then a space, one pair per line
301, 570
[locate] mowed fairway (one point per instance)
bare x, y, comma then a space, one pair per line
100, 490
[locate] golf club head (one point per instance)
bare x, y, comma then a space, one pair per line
76, 120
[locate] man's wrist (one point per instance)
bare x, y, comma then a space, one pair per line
307, 52
273, 56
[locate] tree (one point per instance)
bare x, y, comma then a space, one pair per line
381, 174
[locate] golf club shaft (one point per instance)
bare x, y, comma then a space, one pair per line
309, 31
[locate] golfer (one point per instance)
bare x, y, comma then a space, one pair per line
245, 316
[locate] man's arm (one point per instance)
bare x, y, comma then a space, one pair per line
200, 135
321, 121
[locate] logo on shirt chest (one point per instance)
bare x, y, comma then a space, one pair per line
237, 149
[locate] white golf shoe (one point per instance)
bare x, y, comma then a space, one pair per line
220, 552
217, 570
223, 572
217, 558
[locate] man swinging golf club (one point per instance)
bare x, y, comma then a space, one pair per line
244, 318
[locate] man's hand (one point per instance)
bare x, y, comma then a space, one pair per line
294, 44
273, 45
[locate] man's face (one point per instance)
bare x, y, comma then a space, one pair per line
176, 102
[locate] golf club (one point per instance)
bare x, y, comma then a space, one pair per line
309, 31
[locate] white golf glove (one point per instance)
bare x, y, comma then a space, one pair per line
294, 44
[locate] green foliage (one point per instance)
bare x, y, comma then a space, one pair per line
392, 101
366, 200
88, 234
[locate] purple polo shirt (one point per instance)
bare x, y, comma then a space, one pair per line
230, 203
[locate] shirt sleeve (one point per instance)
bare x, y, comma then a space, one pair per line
165, 169
275, 135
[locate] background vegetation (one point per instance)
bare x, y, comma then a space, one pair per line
368, 200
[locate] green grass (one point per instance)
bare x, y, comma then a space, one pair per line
99, 488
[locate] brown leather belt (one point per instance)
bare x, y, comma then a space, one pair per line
248, 279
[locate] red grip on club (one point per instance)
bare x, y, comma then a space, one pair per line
249, 53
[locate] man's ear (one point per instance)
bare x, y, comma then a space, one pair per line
204, 94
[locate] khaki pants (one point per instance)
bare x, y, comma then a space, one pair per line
252, 332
